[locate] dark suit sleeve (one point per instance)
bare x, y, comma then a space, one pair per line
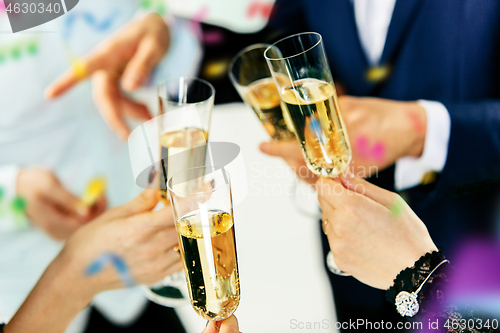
473, 161
287, 18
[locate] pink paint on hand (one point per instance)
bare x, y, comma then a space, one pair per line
416, 121
376, 152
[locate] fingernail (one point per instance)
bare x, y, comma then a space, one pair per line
264, 147
82, 209
123, 135
131, 82
348, 174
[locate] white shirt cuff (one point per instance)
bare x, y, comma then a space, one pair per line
410, 170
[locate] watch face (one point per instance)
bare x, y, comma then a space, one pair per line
407, 304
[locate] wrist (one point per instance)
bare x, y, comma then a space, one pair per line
417, 118
66, 278
407, 292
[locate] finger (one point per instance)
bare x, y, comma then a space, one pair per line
281, 148
229, 325
98, 208
107, 96
159, 219
80, 70
146, 201
139, 68
377, 194
330, 192
134, 109
66, 201
56, 223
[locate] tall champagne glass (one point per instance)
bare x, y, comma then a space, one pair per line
203, 211
310, 96
250, 75
300, 69
185, 111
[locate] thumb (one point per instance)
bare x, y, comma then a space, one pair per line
361, 186
281, 148
142, 64
146, 201
229, 325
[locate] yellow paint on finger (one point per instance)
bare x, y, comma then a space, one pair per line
78, 68
95, 189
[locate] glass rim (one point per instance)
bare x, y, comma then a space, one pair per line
289, 37
198, 192
189, 78
243, 51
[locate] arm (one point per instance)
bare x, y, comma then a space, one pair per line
144, 240
125, 60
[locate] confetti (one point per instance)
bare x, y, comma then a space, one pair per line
256, 7
88, 17
19, 50
197, 18
121, 267
397, 208
378, 73
215, 69
428, 178
95, 188
155, 5
213, 37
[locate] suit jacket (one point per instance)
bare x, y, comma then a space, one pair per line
442, 50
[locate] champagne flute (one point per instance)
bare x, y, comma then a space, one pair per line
250, 75
203, 211
185, 111
310, 96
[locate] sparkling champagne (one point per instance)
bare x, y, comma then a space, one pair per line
209, 254
180, 150
263, 97
319, 126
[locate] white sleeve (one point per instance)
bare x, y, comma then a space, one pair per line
8, 179
410, 170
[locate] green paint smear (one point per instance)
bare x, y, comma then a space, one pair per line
145, 4
2, 192
397, 207
18, 204
32, 48
15, 52
161, 9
